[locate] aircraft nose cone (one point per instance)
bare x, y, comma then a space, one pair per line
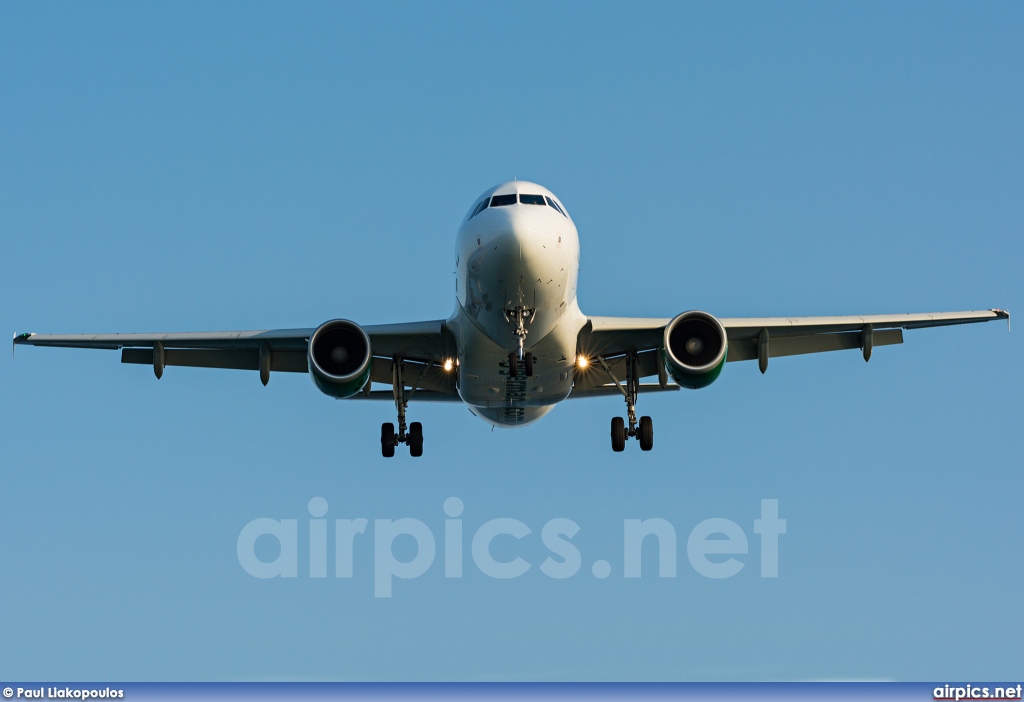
518, 235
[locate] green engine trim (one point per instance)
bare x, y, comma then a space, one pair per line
341, 389
687, 378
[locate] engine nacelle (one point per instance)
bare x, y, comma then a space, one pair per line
694, 349
340, 358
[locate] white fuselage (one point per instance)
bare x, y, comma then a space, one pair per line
508, 256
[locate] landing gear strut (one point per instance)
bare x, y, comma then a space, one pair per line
519, 316
411, 435
620, 432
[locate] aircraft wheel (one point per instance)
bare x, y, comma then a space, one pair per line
618, 434
646, 434
529, 365
387, 439
415, 439
513, 365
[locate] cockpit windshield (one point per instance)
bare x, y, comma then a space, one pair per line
503, 200
512, 199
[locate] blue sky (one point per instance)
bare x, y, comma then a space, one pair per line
251, 165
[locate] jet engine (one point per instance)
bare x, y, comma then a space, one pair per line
694, 349
339, 358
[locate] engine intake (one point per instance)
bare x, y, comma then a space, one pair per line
694, 349
340, 358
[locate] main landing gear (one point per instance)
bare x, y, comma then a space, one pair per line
388, 438
644, 431
411, 435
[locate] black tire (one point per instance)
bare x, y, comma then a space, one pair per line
415, 439
618, 434
513, 365
529, 365
646, 434
387, 439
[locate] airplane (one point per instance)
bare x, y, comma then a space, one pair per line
517, 342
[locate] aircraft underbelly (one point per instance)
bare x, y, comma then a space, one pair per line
484, 380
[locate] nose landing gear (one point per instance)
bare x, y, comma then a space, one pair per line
518, 316
513, 364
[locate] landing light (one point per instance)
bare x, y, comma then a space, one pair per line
448, 365
582, 361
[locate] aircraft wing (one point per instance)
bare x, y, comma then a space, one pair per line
613, 337
422, 345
